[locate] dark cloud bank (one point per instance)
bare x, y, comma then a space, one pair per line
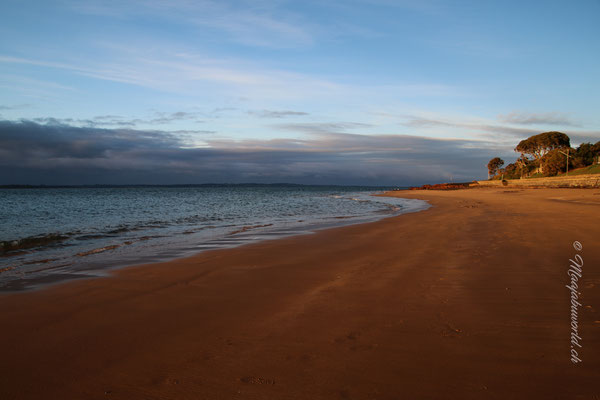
59, 154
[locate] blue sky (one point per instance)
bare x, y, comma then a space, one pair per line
373, 91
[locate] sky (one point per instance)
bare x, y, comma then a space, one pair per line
366, 92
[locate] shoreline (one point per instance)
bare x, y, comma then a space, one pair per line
464, 299
98, 262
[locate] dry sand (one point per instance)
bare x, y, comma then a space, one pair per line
466, 300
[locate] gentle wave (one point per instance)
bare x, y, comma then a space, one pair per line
100, 229
31, 242
99, 250
249, 227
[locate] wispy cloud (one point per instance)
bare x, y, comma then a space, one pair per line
548, 118
480, 128
186, 73
261, 24
166, 118
586, 136
14, 107
319, 128
90, 123
277, 114
33, 87
30, 61
106, 121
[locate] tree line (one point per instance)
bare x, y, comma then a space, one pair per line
548, 153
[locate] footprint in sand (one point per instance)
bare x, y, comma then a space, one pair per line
349, 336
253, 380
451, 331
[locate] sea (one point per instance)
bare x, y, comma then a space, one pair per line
49, 235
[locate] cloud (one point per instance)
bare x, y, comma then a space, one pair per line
483, 128
31, 88
107, 117
192, 132
549, 118
257, 24
40, 63
166, 118
171, 71
168, 68
94, 122
584, 137
316, 128
33, 153
14, 107
105, 121
277, 114
35, 143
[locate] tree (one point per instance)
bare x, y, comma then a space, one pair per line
524, 166
538, 145
554, 162
494, 164
596, 150
511, 171
584, 155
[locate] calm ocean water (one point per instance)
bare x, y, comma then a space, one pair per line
49, 235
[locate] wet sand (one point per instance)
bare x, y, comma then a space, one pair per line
464, 300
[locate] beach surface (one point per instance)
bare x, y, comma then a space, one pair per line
467, 300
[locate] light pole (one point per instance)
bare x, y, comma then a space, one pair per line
566, 154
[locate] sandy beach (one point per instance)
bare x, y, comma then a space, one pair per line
464, 300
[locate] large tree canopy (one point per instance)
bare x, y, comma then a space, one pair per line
538, 145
